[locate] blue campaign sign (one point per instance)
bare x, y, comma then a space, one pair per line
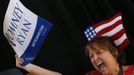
24, 30
41, 31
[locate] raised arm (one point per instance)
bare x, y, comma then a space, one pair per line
34, 69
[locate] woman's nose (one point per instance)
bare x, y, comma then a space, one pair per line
95, 57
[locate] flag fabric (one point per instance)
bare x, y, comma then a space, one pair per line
112, 28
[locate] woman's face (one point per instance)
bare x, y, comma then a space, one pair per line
102, 59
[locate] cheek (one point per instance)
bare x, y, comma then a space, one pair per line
108, 58
93, 62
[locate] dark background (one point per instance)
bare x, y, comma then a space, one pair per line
63, 49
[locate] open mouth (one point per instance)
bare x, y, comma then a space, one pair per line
101, 66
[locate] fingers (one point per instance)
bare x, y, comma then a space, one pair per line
19, 61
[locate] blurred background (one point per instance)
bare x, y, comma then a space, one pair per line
63, 49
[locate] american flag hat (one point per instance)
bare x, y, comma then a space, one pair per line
112, 28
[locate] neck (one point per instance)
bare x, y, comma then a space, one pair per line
116, 70
120, 71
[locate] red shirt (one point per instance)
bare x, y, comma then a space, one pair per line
128, 71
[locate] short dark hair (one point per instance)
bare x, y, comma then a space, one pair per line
105, 41
101, 40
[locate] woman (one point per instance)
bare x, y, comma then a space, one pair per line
104, 58
33, 69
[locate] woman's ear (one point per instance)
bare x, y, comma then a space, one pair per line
115, 52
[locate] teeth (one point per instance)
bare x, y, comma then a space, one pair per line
99, 63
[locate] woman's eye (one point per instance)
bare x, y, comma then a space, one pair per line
99, 52
90, 56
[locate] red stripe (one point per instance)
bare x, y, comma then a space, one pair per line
106, 21
123, 45
105, 30
118, 35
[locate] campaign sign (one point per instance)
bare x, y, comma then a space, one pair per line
24, 30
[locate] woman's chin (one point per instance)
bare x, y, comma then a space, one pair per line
103, 69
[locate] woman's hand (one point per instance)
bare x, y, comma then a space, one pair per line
19, 61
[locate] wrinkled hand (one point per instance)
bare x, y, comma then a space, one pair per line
19, 61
